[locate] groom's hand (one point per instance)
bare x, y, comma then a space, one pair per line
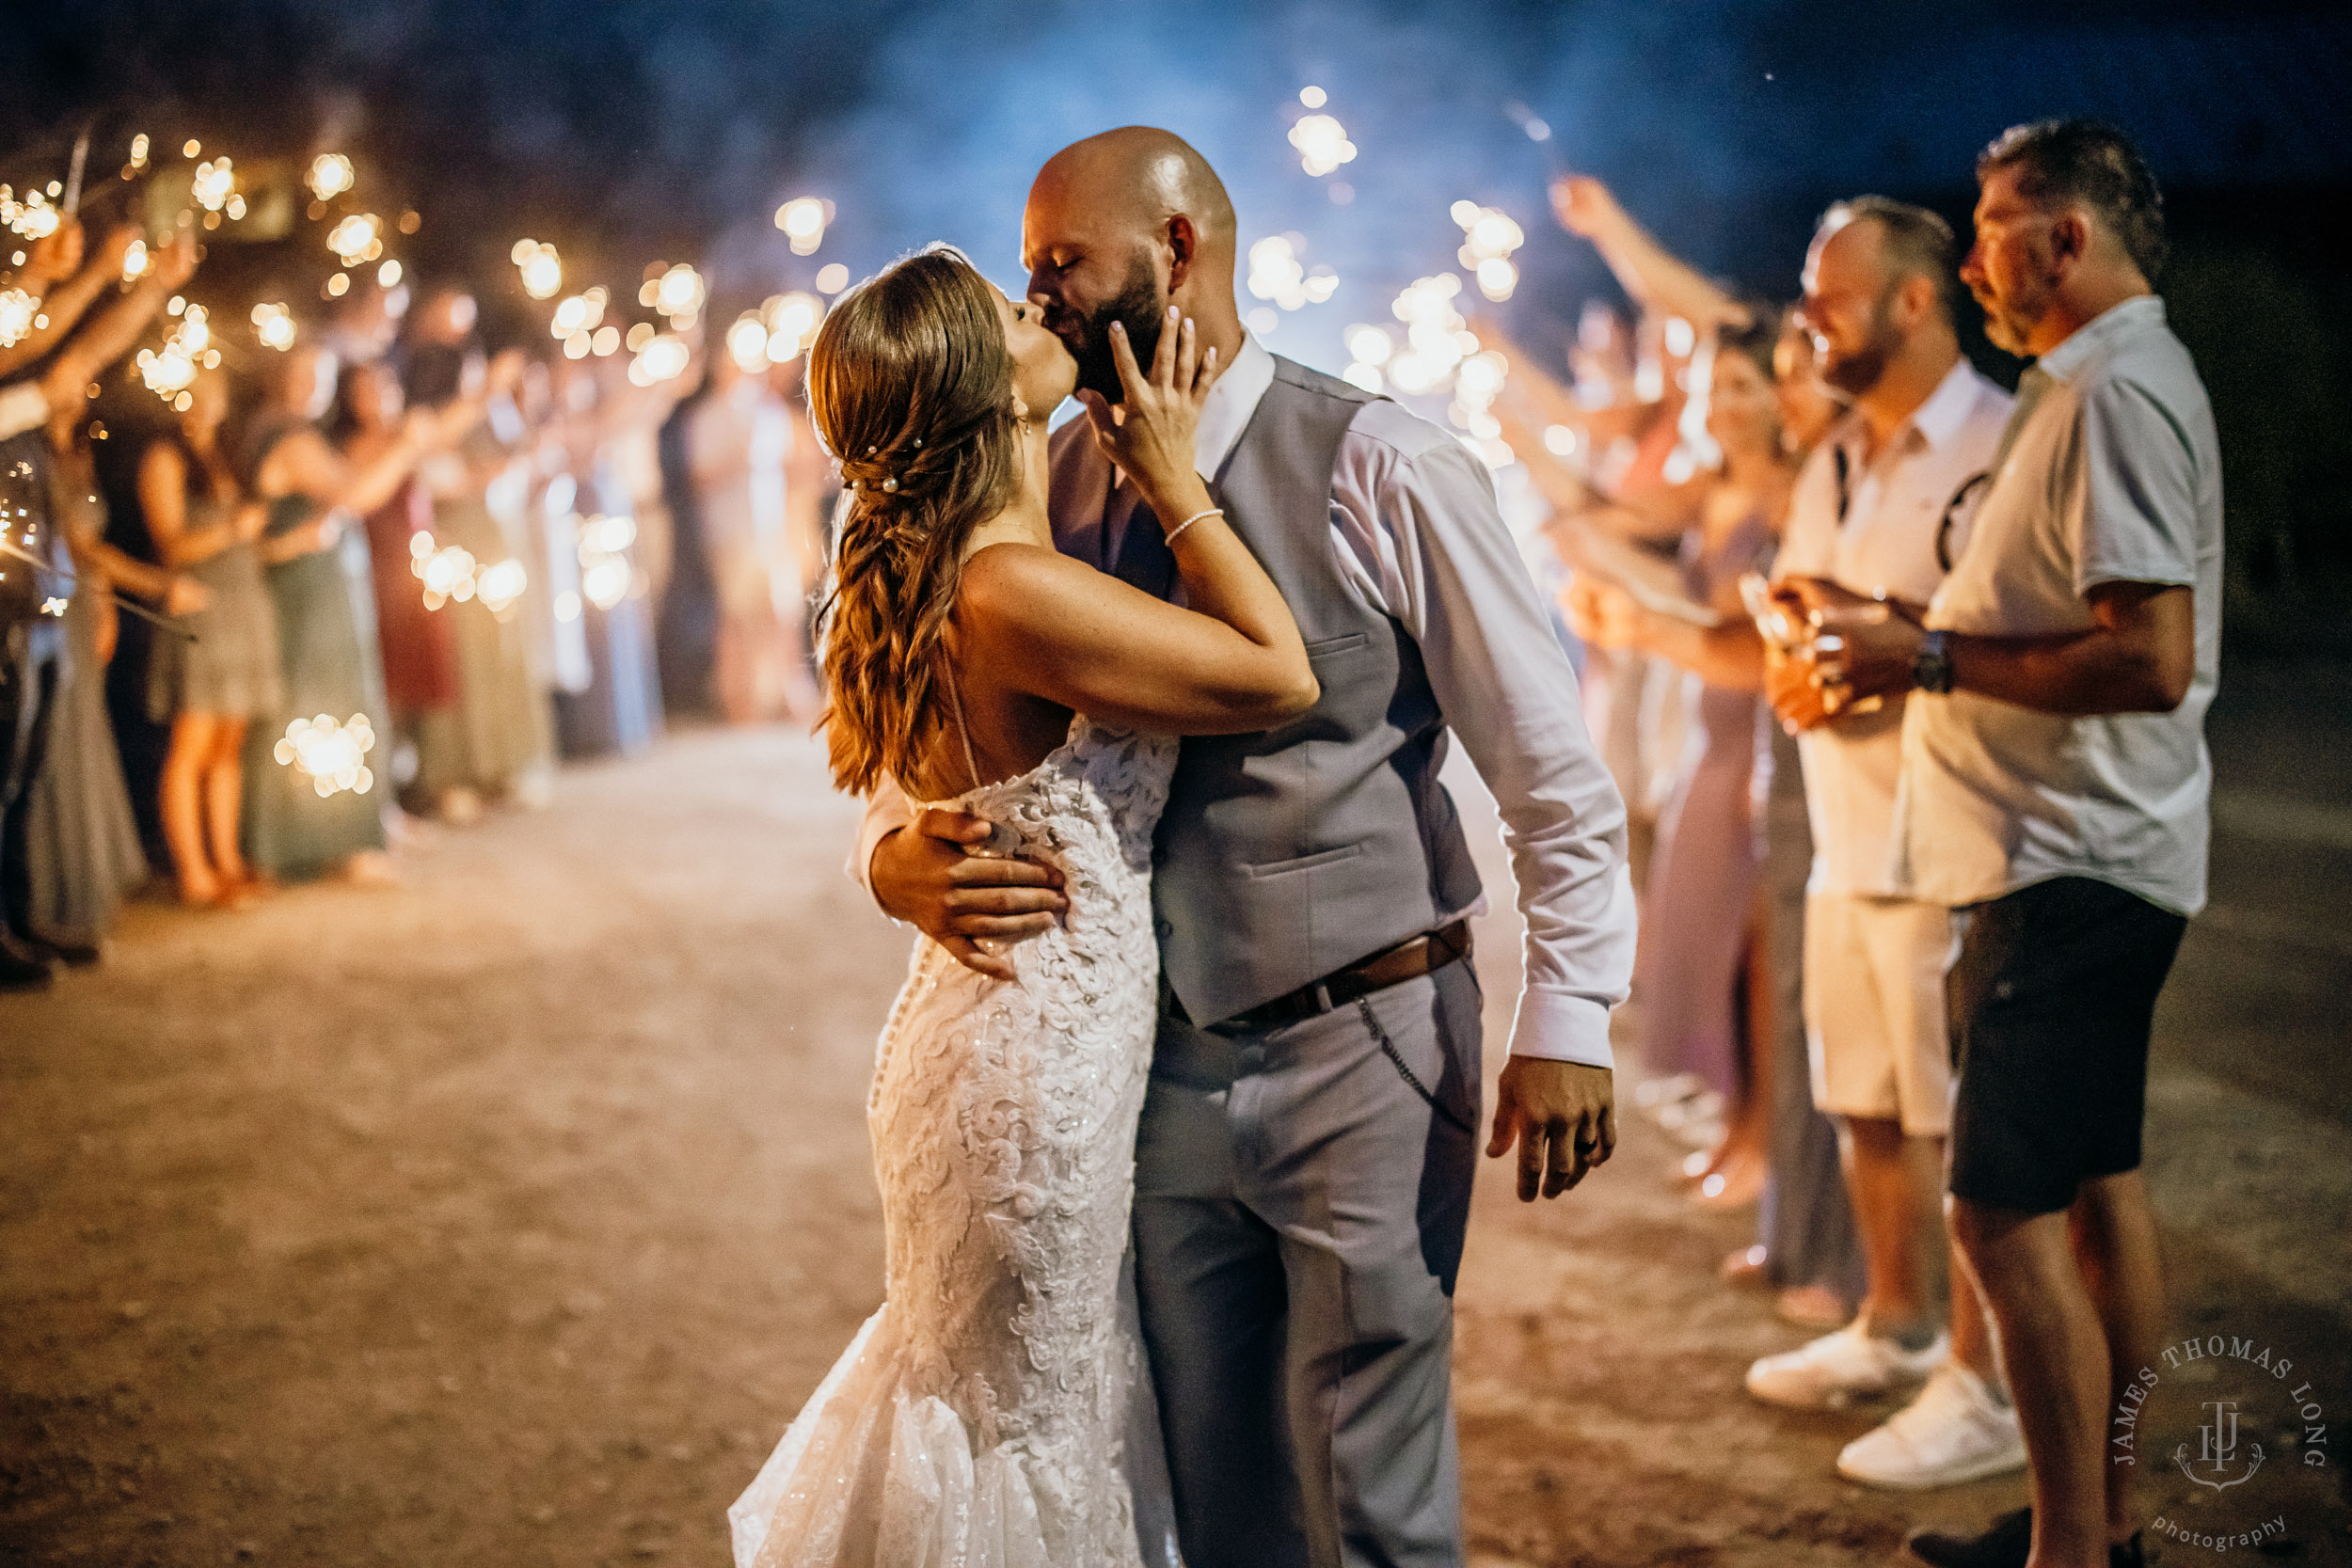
971, 905
1562, 1114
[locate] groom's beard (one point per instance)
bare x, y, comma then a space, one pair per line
1089, 338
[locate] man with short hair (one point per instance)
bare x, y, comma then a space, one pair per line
2055, 787
1878, 511
1307, 1145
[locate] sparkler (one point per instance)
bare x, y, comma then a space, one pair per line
790, 321
72, 201
214, 182
804, 220
1526, 119
33, 218
55, 605
500, 586
167, 373
331, 174
1440, 353
676, 292
1322, 142
450, 572
273, 324
1277, 274
542, 269
1489, 236
19, 310
357, 238
330, 754
575, 324
663, 357
747, 342
606, 575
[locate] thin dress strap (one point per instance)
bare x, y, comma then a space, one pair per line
963, 730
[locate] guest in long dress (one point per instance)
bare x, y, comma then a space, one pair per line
322, 590
212, 683
420, 645
1695, 927
83, 852
739, 441
619, 708
504, 740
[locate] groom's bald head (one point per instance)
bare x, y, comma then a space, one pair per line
1118, 227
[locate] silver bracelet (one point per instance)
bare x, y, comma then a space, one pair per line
1213, 512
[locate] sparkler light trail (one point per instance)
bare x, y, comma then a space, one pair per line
331, 174
329, 753
804, 220
542, 269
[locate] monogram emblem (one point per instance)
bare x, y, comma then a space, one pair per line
2216, 1455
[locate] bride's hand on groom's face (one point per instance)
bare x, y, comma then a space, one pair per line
973, 907
1150, 434
1562, 1114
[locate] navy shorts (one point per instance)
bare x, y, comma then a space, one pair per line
2051, 1001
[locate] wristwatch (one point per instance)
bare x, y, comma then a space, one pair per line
1931, 666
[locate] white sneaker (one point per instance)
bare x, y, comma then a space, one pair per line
1953, 1432
1830, 1372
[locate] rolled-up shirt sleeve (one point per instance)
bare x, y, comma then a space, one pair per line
2132, 509
1417, 512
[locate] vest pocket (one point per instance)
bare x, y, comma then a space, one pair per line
1331, 646
1304, 863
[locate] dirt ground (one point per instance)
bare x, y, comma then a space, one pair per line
505, 1218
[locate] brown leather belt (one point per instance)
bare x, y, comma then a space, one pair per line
1408, 959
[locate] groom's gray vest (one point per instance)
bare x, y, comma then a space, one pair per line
1292, 852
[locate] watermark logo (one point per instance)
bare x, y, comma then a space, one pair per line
2244, 1391
2216, 1455
2240, 1392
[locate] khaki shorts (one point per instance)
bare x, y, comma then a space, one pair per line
1874, 1009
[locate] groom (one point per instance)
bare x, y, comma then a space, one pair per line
1304, 1163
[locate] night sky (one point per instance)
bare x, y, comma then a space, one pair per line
627, 133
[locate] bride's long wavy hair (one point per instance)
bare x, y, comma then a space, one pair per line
910, 385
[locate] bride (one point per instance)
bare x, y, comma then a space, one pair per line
977, 1418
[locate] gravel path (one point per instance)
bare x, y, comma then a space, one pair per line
505, 1218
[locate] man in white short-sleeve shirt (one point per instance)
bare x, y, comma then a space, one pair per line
1876, 511
2054, 786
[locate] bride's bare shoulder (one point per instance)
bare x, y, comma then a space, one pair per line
1011, 583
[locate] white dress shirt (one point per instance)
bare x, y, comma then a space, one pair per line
1872, 522
1415, 532
2113, 474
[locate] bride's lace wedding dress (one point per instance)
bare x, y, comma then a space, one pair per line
978, 1419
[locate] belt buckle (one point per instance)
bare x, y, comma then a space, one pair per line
1323, 997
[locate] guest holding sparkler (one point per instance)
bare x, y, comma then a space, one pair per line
419, 650
211, 683
38, 587
83, 852
2055, 786
321, 592
1883, 508
739, 439
618, 708
505, 733
1690, 961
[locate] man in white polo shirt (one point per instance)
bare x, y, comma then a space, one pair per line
2055, 786
1877, 511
